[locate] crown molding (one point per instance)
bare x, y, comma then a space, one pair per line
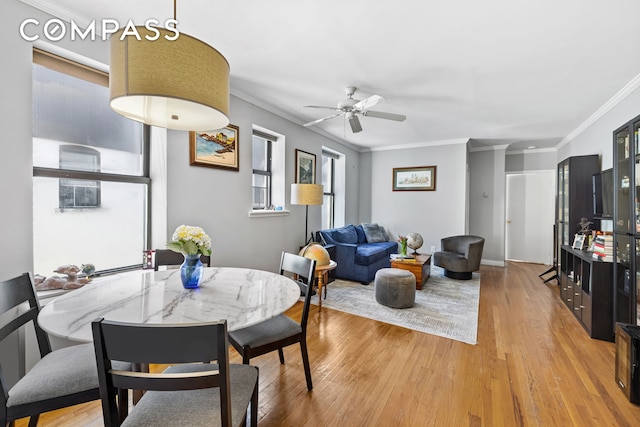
533, 151
418, 145
58, 12
489, 148
615, 100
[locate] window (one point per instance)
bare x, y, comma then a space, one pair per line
262, 149
328, 183
91, 180
76, 193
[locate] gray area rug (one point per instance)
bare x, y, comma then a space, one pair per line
444, 307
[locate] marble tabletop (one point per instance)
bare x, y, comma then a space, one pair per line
242, 296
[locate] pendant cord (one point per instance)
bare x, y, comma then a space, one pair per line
174, 10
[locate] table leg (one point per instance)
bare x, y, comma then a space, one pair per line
320, 278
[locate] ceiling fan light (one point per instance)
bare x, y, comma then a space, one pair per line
181, 84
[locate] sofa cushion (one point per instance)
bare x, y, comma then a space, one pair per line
384, 234
346, 234
373, 233
368, 253
361, 237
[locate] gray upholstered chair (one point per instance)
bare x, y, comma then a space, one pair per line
61, 378
281, 331
191, 392
460, 256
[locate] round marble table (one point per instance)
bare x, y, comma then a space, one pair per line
242, 296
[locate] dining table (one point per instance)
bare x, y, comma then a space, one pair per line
242, 296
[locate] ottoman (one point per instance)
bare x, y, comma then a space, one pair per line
395, 288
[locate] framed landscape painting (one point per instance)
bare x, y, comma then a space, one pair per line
419, 178
305, 167
216, 149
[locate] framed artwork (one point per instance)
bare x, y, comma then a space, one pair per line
216, 149
578, 241
419, 178
305, 167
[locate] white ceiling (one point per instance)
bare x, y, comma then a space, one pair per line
496, 71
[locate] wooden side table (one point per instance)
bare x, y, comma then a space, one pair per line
322, 274
421, 268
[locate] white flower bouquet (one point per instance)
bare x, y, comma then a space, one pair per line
190, 240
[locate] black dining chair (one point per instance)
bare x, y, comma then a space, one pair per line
281, 331
193, 392
59, 379
167, 257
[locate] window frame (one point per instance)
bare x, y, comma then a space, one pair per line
268, 173
66, 66
332, 184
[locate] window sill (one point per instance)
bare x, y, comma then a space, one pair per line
267, 214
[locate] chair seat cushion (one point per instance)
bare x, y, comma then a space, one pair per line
369, 253
61, 372
274, 329
194, 407
452, 261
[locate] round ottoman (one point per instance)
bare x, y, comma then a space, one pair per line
395, 288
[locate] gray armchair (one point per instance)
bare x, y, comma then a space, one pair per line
460, 256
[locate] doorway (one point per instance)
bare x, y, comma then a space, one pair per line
530, 209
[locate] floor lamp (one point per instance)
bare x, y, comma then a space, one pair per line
306, 194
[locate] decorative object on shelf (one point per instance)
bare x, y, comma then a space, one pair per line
69, 280
316, 251
415, 242
419, 178
88, 270
578, 242
166, 78
403, 245
305, 167
585, 226
307, 194
191, 242
218, 148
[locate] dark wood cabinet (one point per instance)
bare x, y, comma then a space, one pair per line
574, 198
586, 287
626, 224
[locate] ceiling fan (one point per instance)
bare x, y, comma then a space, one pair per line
350, 108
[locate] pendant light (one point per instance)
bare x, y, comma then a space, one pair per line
178, 84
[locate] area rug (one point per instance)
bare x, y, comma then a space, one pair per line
444, 307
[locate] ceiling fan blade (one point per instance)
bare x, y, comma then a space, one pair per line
367, 102
354, 123
381, 115
320, 106
322, 119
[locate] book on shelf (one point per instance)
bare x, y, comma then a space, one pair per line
603, 247
400, 257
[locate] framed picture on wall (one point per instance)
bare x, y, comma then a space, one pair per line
419, 178
216, 149
305, 167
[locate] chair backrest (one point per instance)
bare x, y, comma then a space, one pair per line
305, 269
170, 258
13, 293
161, 344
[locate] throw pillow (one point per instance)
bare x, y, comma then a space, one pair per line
384, 233
361, 237
346, 234
373, 233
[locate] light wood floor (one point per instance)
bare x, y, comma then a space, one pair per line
533, 365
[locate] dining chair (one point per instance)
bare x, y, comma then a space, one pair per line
191, 392
59, 379
281, 331
167, 257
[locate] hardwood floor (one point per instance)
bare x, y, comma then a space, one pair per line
533, 365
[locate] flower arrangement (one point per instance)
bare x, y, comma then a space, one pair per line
190, 240
403, 244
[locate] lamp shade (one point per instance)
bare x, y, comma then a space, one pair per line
306, 194
181, 84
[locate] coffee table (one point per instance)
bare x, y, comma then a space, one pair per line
420, 267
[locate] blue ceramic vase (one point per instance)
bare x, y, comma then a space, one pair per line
191, 271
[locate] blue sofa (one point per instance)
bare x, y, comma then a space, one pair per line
357, 259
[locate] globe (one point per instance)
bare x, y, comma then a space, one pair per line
316, 251
414, 241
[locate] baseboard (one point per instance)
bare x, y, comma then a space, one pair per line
492, 262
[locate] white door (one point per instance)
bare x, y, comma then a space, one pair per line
530, 212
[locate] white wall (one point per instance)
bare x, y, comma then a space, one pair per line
433, 214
